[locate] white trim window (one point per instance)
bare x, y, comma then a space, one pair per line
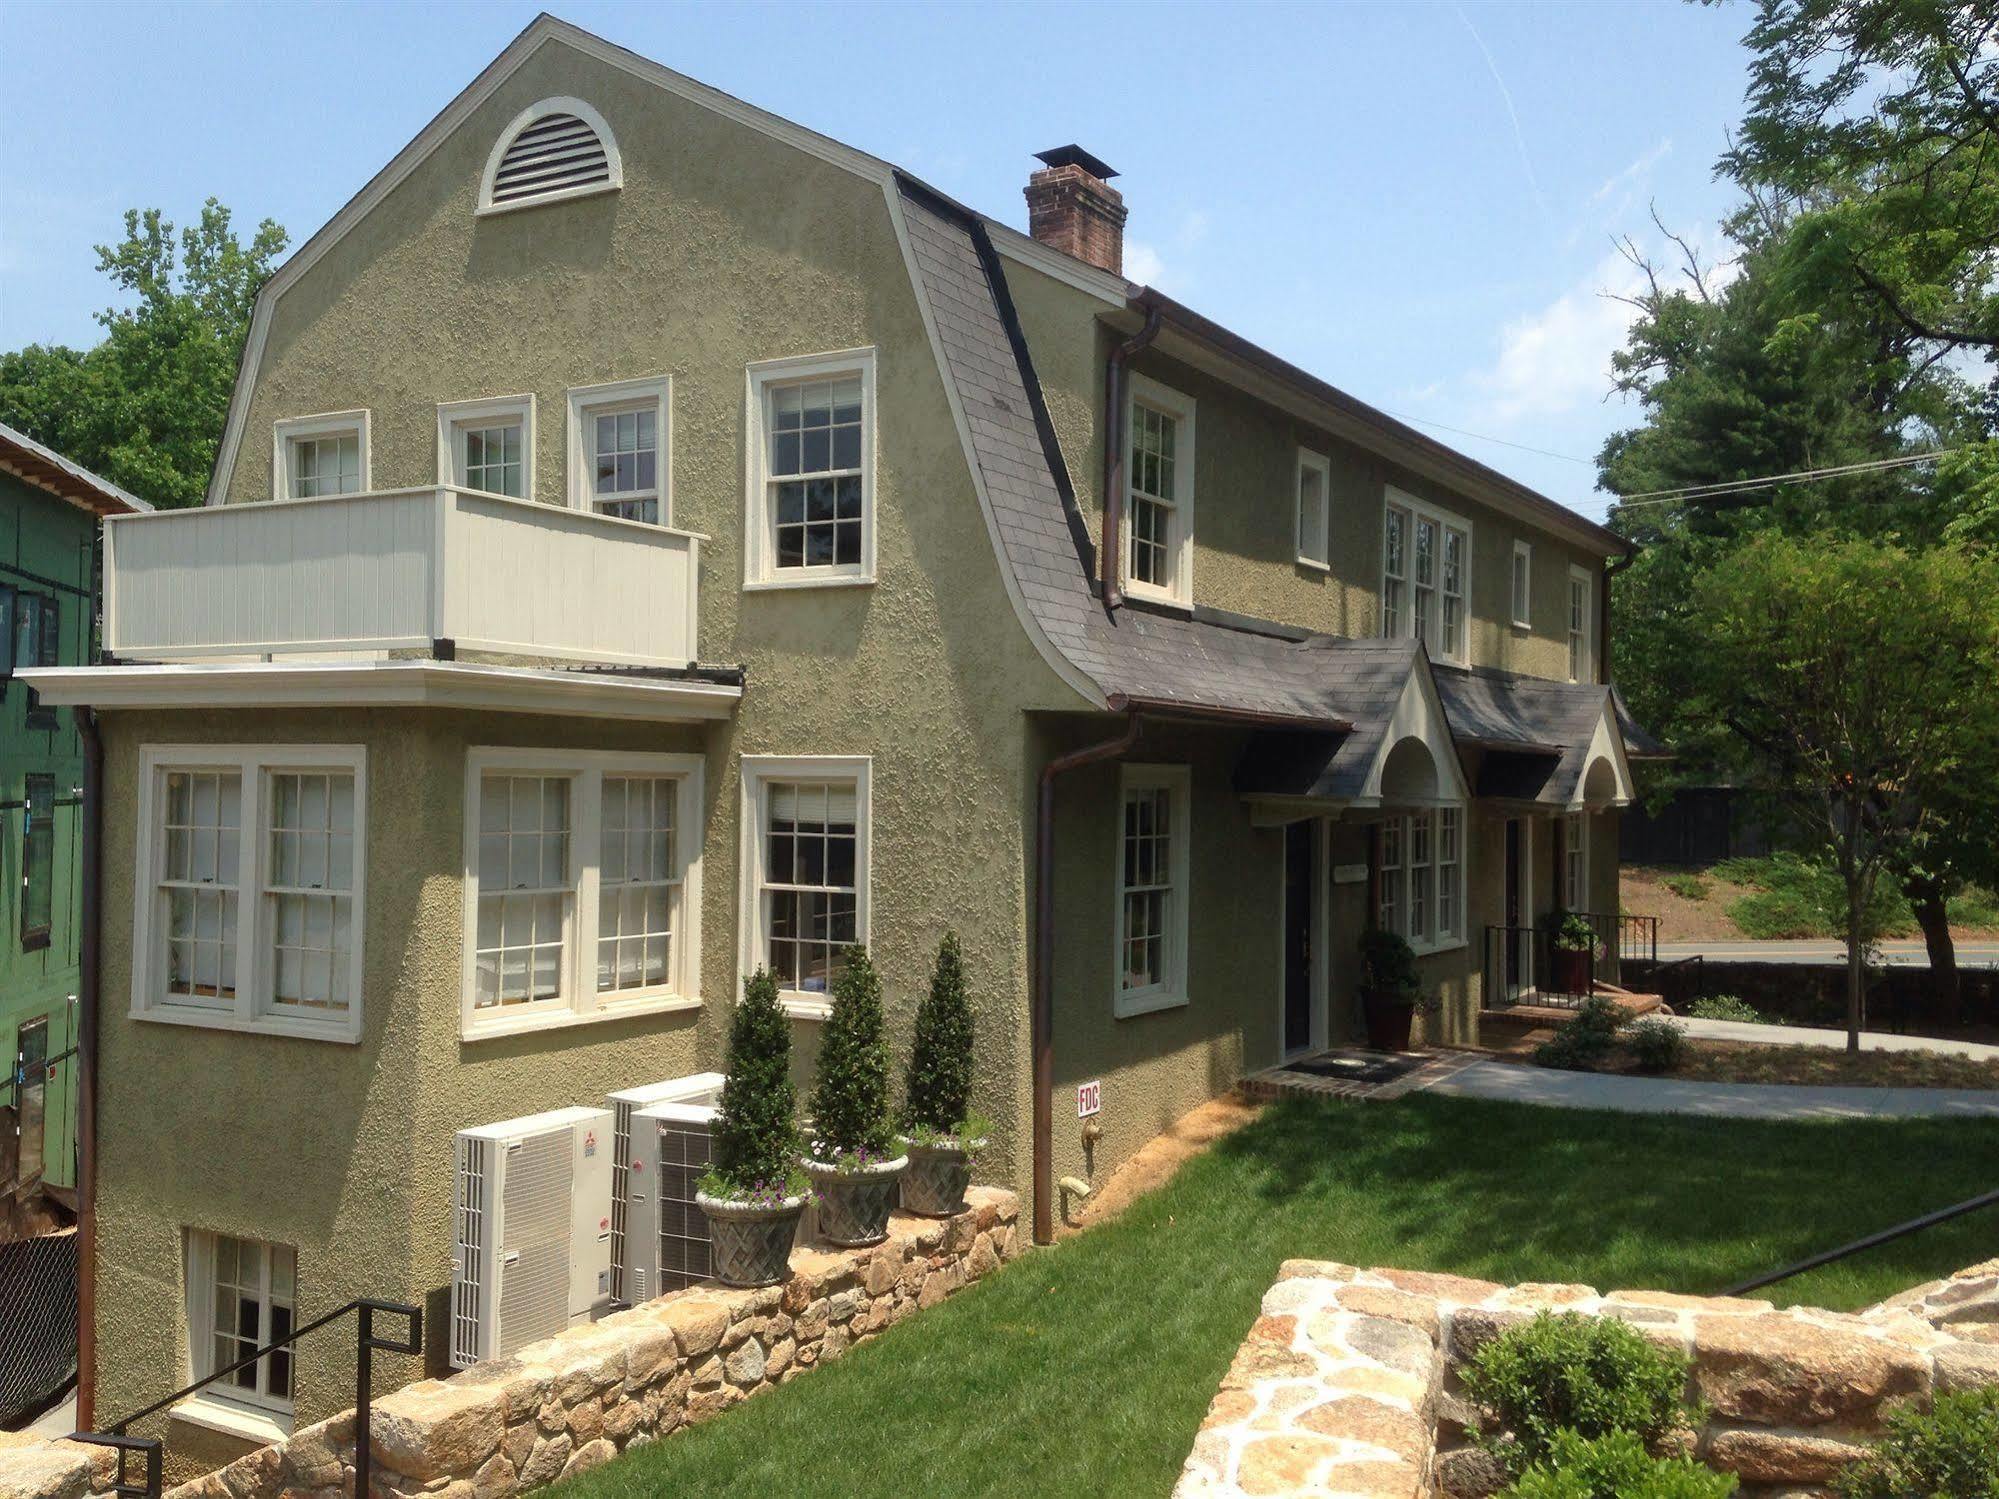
248, 910
582, 887
1152, 888
809, 517
316, 456
487, 445
1582, 626
1315, 506
1426, 565
551, 151
1523, 584
621, 449
805, 866
1158, 539
1575, 862
242, 1294
1421, 864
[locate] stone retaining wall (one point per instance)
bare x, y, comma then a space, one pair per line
565, 1405
1347, 1383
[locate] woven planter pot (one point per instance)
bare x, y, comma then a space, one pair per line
854, 1205
752, 1242
934, 1186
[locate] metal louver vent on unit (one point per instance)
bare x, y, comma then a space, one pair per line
686, 1257
621, 1196
557, 153
535, 1218
466, 1343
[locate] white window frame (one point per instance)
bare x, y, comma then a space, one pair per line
1172, 991
760, 569
1575, 862
1416, 622
1522, 585
579, 1002
759, 774
541, 110
291, 429
586, 402
225, 1407
250, 1010
1582, 637
1399, 879
1314, 551
455, 417
1143, 391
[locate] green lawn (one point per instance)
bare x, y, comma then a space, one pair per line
1085, 1368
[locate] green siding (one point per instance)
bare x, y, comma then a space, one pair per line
45, 552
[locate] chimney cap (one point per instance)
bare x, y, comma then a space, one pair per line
1075, 156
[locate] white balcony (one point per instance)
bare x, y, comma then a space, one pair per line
396, 570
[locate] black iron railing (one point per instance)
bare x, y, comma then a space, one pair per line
366, 1345
1871, 1241
1523, 966
1681, 980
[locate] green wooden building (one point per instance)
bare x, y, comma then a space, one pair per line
49, 513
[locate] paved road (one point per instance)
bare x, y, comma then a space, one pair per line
1805, 1035
1513, 1082
1981, 954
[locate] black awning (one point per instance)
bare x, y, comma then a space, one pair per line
1516, 775
1290, 763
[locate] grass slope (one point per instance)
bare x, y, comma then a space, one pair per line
1781, 896
1086, 1368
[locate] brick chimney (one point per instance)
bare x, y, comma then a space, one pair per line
1072, 207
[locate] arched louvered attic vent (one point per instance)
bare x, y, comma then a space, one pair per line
559, 148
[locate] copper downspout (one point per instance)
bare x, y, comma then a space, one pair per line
1115, 442
1611, 569
91, 877
1043, 1009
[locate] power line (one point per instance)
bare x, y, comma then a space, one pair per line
1482, 437
1773, 481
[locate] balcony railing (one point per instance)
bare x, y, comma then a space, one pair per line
1522, 965
400, 569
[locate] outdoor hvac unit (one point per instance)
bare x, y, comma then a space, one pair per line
534, 1231
659, 1157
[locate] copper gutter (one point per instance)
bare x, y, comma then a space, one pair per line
1042, 1010
88, 982
1611, 569
1115, 443
1166, 707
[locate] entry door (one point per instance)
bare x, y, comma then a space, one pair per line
1515, 962
1300, 890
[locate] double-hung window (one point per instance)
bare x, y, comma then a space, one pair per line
806, 849
582, 886
316, 456
1582, 626
37, 642
621, 449
242, 1295
248, 910
488, 445
1425, 577
1159, 493
1315, 485
1523, 577
810, 506
38, 862
1152, 888
1575, 862
1421, 865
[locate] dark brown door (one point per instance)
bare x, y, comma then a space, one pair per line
1298, 892
1514, 901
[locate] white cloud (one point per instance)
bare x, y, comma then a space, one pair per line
1641, 168
1143, 265
1555, 359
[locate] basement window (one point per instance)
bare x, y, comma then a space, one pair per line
242, 1295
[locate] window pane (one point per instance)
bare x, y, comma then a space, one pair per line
638, 883
196, 895
811, 863
524, 889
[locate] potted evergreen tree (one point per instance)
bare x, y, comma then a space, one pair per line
852, 1164
1390, 989
755, 1192
1574, 942
940, 1133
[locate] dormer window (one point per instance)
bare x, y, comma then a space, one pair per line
557, 149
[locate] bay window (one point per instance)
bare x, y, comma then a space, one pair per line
1425, 577
1421, 864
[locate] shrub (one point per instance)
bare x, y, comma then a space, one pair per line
1586, 1375
756, 1133
1950, 1451
1586, 1041
850, 1083
1616, 1466
1572, 932
1791, 895
938, 1097
1656, 1045
1688, 886
1388, 965
1726, 1007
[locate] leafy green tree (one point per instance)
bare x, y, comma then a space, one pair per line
1861, 675
850, 1088
145, 408
756, 1129
939, 1086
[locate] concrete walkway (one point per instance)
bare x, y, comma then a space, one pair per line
1513, 1082
1805, 1035
1899, 953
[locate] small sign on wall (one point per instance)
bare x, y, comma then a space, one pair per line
1089, 1099
1349, 874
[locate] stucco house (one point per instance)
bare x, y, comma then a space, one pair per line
652, 540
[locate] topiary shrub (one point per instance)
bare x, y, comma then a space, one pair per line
1656, 1045
1615, 1466
1388, 965
1586, 1041
1565, 1372
938, 1096
1950, 1451
850, 1123
756, 1131
1726, 1007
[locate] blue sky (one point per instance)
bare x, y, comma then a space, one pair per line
1414, 201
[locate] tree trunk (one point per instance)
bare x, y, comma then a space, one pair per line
1926, 899
1856, 971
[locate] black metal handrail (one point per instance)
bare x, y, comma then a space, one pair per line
1528, 951
1871, 1241
366, 1346
1657, 976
